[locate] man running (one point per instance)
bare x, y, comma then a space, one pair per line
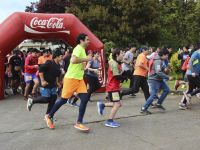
156, 80
49, 74
140, 73
31, 67
73, 82
15, 68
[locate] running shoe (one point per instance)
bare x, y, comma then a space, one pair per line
49, 122
53, 119
29, 104
159, 106
145, 112
69, 102
183, 106
133, 95
112, 124
198, 95
81, 127
100, 107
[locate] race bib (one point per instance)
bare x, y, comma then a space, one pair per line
28, 78
115, 96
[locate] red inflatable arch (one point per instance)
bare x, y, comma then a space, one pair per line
20, 26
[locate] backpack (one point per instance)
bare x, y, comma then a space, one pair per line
185, 64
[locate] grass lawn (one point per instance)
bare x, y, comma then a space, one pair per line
170, 83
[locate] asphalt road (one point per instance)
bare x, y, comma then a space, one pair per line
173, 129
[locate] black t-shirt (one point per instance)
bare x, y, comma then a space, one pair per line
51, 71
15, 61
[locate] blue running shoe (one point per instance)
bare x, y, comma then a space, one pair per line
112, 124
100, 107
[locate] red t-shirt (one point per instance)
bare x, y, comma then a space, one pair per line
30, 63
112, 83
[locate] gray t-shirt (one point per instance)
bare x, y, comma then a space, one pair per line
129, 57
94, 64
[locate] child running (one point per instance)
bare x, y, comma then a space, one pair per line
113, 88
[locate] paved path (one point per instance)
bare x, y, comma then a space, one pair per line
173, 129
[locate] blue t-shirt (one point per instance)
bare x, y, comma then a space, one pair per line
94, 64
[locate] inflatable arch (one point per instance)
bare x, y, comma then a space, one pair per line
20, 26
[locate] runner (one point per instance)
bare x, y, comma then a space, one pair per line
128, 64
140, 74
193, 78
92, 74
73, 82
156, 82
46, 55
113, 88
31, 67
49, 74
184, 56
15, 68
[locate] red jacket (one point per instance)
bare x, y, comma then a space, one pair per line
30, 63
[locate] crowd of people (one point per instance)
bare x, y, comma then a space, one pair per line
55, 78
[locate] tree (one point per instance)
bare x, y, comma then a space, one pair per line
178, 24
122, 21
48, 6
150, 22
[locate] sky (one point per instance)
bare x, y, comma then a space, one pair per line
7, 7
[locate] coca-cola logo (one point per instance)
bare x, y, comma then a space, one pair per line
51, 23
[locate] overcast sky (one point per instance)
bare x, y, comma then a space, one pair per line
7, 7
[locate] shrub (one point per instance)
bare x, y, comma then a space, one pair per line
175, 66
107, 48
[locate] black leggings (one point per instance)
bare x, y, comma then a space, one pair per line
139, 81
84, 100
194, 86
93, 84
44, 100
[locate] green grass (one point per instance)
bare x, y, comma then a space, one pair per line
170, 83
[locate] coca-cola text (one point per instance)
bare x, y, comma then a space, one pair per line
51, 23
